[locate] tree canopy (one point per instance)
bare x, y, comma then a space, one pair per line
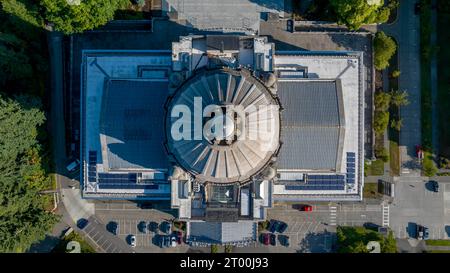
384, 48
89, 14
355, 240
355, 13
23, 218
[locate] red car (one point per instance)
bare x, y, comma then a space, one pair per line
179, 237
265, 238
302, 207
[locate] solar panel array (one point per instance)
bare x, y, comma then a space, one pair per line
321, 183
351, 164
92, 166
122, 181
128, 186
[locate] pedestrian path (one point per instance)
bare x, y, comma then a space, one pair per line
385, 215
333, 212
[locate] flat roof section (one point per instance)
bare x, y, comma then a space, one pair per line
131, 124
312, 124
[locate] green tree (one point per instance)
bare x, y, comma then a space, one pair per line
380, 122
23, 218
389, 245
14, 62
355, 240
355, 13
396, 124
89, 14
399, 98
382, 101
384, 48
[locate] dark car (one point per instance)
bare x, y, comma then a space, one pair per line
165, 227
153, 226
82, 223
145, 205
273, 226
142, 227
282, 226
426, 233
273, 239
290, 25
284, 240
112, 227
265, 238
434, 186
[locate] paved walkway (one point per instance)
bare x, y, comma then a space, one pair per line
406, 32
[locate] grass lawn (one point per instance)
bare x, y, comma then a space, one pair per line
394, 157
85, 247
438, 242
371, 190
376, 168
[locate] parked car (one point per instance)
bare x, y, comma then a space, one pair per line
145, 205
434, 185
142, 227
265, 238
167, 241
426, 233
302, 207
273, 226
82, 223
284, 240
420, 232
173, 241
290, 25
179, 236
132, 241
165, 227
273, 239
153, 226
112, 227
282, 226
73, 165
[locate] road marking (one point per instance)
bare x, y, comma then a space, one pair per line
385, 212
333, 215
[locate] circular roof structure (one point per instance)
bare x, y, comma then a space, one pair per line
223, 126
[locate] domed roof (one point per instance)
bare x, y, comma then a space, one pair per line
223, 126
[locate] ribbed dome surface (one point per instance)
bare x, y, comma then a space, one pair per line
226, 155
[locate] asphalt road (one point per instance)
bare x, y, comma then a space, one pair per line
406, 31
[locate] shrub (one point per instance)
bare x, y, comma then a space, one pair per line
428, 167
380, 122
396, 73
214, 248
384, 48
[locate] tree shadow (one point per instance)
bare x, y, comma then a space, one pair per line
321, 242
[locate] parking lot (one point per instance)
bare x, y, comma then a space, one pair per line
414, 203
128, 216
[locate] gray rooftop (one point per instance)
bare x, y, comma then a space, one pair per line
131, 124
216, 232
312, 124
